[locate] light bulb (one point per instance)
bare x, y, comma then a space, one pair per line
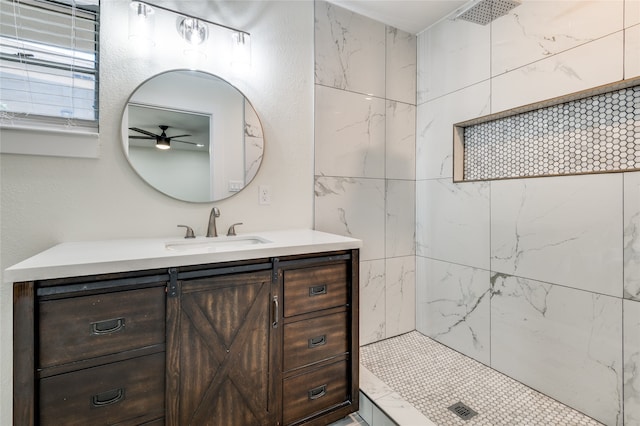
193, 30
141, 23
241, 48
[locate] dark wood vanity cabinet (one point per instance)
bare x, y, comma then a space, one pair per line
263, 342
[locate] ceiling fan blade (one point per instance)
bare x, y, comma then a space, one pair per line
142, 137
135, 129
191, 143
177, 136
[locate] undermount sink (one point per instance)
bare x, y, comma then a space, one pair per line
215, 243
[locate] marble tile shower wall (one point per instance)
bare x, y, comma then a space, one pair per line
365, 96
538, 278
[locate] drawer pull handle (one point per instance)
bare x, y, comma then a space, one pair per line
107, 398
317, 290
107, 326
318, 392
314, 342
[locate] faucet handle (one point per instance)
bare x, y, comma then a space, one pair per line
232, 229
189, 233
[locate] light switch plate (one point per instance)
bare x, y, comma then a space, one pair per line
235, 185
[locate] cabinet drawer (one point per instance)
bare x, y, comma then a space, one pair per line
84, 327
113, 393
314, 340
312, 289
314, 392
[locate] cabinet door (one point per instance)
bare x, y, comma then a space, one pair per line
221, 351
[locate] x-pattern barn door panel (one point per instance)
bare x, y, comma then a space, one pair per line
221, 351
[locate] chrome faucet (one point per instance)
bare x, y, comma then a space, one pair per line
211, 229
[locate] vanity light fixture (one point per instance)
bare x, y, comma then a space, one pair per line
141, 23
194, 30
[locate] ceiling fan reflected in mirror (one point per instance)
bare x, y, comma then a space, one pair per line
162, 140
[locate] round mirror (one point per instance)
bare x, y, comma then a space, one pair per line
192, 136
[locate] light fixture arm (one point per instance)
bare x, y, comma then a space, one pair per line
193, 17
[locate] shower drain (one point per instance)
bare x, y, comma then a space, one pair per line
463, 411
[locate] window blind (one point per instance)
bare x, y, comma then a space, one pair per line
49, 63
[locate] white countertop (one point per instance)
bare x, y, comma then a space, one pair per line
109, 256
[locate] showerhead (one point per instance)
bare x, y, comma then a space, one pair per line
484, 11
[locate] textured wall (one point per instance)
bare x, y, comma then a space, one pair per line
533, 277
47, 200
365, 158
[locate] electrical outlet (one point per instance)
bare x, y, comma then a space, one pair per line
264, 195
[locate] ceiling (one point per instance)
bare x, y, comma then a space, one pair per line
412, 16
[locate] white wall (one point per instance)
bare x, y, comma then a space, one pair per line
533, 277
47, 200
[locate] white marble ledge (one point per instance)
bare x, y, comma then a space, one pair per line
389, 401
110, 256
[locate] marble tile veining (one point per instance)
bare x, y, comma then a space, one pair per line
631, 13
435, 120
400, 313
562, 230
632, 51
567, 72
538, 29
349, 50
254, 144
400, 152
451, 57
353, 207
400, 239
560, 341
431, 377
349, 134
453, 306
372, 301
400, 75
631, 345
452, 221
632, 236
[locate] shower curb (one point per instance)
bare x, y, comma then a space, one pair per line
396, 408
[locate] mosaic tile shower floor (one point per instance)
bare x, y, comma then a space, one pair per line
432, 377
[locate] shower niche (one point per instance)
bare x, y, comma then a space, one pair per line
593, 131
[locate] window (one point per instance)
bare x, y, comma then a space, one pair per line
49, 64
